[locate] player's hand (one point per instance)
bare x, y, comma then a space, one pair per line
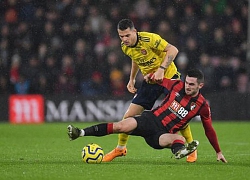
220, 157
131, 86
147, 78
158, 76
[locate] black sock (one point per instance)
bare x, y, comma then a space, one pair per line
177, 145
98, 130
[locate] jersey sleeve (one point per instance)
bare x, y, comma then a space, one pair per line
158, 42
168, 83
206, 119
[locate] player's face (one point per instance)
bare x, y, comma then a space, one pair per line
128, 36
192, 87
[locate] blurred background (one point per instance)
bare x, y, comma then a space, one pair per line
70, 48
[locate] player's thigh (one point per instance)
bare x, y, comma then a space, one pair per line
125, 126
153, 140
133, 110
145, 125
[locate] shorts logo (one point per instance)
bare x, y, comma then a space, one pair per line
143, 51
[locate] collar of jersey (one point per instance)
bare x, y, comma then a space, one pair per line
137, 40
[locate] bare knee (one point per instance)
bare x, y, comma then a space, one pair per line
125, 126
118, 127
121, 126
178, 137
182, 139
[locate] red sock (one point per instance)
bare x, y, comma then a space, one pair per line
110, 128
177, 145
178, 141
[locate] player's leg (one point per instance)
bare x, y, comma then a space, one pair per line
103, 129
150, 127
145, 99
173, 141
132, 111
121, 149
176, 143
186, 132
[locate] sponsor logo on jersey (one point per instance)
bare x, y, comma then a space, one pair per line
157, 42
176, 108
151, 61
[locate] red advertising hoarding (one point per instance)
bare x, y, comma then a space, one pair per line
26, 109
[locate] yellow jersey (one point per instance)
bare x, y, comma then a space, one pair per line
148, 53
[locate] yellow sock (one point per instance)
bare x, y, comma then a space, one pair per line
122, 139
186, 133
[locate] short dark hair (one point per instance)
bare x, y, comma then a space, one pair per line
124, 24
196, 73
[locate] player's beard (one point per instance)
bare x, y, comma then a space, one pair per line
191, 92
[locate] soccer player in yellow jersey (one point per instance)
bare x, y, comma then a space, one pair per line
149, 54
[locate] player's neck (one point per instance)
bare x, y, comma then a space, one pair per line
136, 39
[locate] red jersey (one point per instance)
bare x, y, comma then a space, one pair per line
177, 109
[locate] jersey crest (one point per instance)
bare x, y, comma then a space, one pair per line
144, 51
192, 106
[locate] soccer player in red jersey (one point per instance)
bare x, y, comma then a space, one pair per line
159, 126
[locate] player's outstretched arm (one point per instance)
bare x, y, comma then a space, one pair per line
131, 84
172, 51
220, 157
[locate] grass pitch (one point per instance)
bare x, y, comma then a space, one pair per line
44, 152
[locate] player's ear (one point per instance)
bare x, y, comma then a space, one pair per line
201, 85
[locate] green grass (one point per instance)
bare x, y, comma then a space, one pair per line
44, 152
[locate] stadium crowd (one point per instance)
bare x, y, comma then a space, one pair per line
72, 46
